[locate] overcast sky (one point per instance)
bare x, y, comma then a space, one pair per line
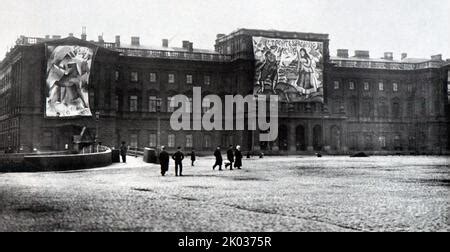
420, 28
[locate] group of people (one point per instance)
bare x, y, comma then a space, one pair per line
234, 157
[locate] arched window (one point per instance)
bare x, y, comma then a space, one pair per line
396, 108
383, 110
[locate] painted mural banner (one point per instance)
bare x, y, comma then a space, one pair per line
290, 68
67, 81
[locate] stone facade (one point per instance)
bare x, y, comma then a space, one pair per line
131, 87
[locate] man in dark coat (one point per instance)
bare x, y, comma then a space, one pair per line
178, 157
123, 152
219, 159
238, 154
193, 157
230, 157
164, 160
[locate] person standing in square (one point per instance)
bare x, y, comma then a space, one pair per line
178, 157
164, 161
123, 152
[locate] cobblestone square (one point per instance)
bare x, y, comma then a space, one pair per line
270, 194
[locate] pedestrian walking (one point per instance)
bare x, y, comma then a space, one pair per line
238, 155
193, 157
123, 151
219, 159
178, 157
230, 157
164, 160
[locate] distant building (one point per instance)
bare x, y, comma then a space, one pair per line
376, 105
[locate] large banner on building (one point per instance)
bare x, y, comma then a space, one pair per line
67, 80
291, 68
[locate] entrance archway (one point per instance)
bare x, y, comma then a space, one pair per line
317, 138
283, 138
300, 138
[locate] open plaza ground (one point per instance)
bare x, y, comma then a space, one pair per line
270, 194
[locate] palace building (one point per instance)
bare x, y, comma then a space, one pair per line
377, 105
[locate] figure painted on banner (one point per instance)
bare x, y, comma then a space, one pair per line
230, 157
238, 155
123, 151
193, 157
164, 160
219, 159
178, 157
307, 81
67, 81
268, 71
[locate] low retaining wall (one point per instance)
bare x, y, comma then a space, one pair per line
58, 162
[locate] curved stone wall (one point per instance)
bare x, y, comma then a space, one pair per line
51, 162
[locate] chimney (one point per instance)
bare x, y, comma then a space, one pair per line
165, 43
185, 44
47, 37
100, 39
83, 34
362, 54
191, 47
389, 56
342, 53
56, 37
436, 57
118, 41
404, 56
70, 34
135, 41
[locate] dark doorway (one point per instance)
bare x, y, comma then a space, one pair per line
317, 138
283, 138
300, 138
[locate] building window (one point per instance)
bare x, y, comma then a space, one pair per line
396, 110
381, 86
171, 78
395, 87
152, 104
206, 105
171, 141
383, 142
133, 103
170, 108
207, 80
134, 77
152, 140
116, 75
410, 88
153, 77
134, 140
351, 85
189, 141
424, 107
367, 109
336, 85
189, 79
366, 86
116, 103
